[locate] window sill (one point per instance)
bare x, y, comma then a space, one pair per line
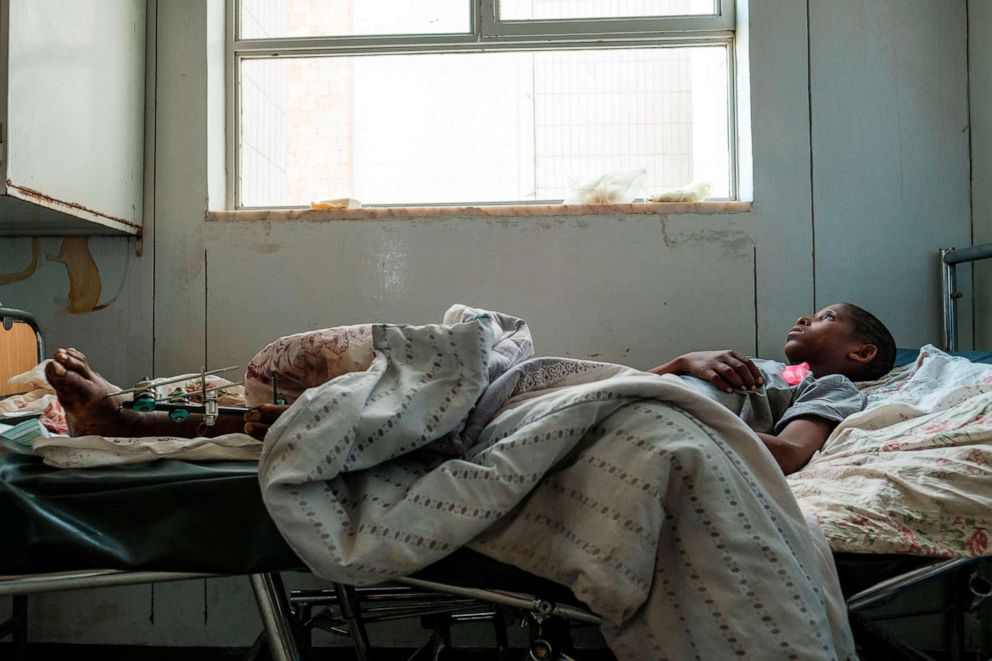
501, 211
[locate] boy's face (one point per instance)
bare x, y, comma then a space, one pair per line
824, 340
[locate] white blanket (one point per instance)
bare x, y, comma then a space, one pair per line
657, 507
91, 451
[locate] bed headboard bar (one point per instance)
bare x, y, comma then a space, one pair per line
949, 259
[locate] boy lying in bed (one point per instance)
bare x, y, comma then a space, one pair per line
793, 409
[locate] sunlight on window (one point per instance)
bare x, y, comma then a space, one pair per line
519, 10
495, 127
266, 19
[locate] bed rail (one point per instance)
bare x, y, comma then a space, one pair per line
10, 315
949, 259
270, 596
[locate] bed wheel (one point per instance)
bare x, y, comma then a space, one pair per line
540, 650
550, 639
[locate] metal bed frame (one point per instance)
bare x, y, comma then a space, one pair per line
289, 619
8, 316
269, 595
949, 260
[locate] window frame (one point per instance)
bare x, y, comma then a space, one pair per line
488, 33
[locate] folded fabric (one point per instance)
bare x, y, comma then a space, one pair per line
89, 451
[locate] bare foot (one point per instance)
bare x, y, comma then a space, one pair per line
260, 418
82, 393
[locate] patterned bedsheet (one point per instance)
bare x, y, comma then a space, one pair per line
912, 473
658, 508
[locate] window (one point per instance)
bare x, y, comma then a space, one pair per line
394, 102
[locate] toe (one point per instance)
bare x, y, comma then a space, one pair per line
74, 361
256, 430
54, 372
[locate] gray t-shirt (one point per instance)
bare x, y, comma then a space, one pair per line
776, 403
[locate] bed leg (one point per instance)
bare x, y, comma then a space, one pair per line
352, 613
273, 608
956, 587
17, 628
20, 633
500, 629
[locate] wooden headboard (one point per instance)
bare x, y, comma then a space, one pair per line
18, 353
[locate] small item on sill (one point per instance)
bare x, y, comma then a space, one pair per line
616, 188
697, 191
340, 203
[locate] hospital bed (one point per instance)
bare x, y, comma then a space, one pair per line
60, 511
77, 536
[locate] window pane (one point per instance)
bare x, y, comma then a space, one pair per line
522, 10
475, 128
268, 19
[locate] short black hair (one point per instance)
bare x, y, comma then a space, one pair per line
868, 329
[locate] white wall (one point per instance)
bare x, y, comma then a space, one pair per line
884, 186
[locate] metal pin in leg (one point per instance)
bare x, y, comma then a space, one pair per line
146, 382
143, 399
209, 398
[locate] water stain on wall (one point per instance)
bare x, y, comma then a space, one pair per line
84, 275
10, 278
734, 243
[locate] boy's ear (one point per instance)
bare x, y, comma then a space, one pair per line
864, 354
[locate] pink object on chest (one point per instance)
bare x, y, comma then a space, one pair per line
794, 374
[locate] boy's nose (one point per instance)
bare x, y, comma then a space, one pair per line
802, 321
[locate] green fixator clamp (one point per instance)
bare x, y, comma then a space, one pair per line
143, 403
178, 415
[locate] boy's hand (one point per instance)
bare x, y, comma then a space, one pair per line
726, 370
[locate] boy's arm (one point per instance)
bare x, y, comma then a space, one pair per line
727, 370
795, 445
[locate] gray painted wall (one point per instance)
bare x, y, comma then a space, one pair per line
980, 86
890, 145
882, 187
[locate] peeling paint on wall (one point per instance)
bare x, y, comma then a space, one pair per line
266, 248
85, 285
735, 243
10, 278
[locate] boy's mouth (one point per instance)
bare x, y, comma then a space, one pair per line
795, 330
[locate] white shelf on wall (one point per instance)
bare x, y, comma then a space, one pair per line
72, 77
